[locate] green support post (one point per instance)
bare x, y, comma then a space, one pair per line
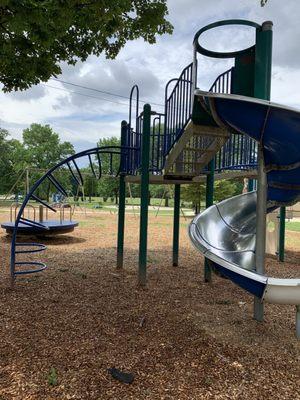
210, 180
142, 278
262, 90
281, 241
263, 61
250, 185
122, 198
176, 225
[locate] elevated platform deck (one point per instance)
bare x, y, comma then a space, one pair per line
173, 180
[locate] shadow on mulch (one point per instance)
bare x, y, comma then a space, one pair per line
53, 240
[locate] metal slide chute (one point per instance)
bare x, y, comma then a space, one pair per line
225, 232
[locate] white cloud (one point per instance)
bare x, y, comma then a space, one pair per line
284, 88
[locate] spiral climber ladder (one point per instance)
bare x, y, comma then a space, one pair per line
69, 165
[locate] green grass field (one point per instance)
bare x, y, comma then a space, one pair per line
293, 226
132, 207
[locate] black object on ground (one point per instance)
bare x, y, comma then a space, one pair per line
121, 376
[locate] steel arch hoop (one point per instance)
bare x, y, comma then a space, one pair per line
215, 54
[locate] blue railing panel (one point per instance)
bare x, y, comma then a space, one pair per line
240, 151
178, 107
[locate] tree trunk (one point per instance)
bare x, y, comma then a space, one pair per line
166, 201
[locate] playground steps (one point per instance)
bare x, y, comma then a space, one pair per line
194, 149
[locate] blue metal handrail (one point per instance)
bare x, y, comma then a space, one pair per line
133, 135
178, 107
223, 83
135, 89
240, 151
157, 144
133, 139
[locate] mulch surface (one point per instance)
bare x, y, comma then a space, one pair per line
61, 330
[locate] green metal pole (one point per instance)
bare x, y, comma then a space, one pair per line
263, 61
176, 225
210, 180
262, 90
281, 243
121, 222
250, 185
122, 201
142, 278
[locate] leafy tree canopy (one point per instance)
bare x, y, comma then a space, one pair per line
43, 147
164, 192
36, 35
110, 166
43, 150
11, 160
195, 193
108, 185
40, 150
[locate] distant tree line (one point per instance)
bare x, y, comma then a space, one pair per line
39, 150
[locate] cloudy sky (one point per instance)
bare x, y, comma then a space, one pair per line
83, 119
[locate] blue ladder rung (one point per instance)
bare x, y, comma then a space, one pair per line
111, 164
93, 169
39, 247
34, 224
43, 202
72, 173
99, 164
42, 266
78, 179
78, 171
58, 186
91, 165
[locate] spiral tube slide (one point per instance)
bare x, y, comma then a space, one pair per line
225, 232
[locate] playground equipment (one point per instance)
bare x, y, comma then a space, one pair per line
40, 215
225, 232
22, 267
209, 136
200, 137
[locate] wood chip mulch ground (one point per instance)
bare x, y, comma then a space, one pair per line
62, 330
